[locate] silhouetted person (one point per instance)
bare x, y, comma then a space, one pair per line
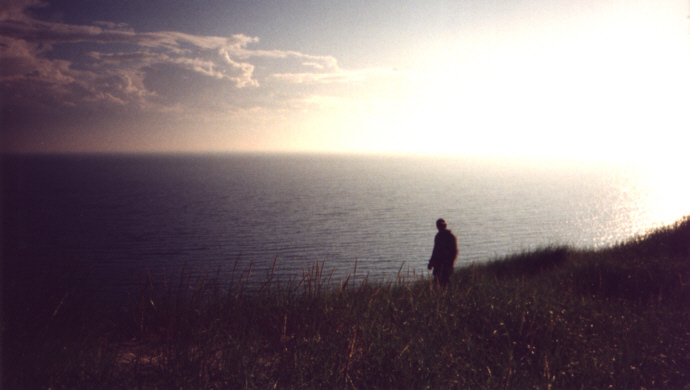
444, 254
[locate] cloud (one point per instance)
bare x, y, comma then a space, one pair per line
56, 76
320, 78
17, 9
115, 70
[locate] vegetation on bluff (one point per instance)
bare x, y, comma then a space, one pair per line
553, 318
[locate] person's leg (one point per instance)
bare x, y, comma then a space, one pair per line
445, 276
437, 275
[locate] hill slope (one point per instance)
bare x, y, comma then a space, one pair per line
554, 318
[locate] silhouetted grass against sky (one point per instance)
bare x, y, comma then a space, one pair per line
582, 79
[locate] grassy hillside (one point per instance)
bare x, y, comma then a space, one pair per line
554, 318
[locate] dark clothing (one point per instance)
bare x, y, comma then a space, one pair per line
443, 256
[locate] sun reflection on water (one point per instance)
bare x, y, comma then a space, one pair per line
667, 197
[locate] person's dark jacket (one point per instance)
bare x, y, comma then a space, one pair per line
445, 251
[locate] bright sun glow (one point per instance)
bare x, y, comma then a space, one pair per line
617, 91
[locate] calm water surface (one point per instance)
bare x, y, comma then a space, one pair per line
122, 215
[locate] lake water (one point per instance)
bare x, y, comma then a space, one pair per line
123, 215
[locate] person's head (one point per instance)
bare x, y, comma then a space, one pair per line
441, 224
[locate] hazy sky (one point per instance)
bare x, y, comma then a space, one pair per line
579, 78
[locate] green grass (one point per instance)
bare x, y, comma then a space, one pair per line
556, 318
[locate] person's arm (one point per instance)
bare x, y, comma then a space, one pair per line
455, 248
434, 254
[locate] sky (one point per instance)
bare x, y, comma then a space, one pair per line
599, 79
